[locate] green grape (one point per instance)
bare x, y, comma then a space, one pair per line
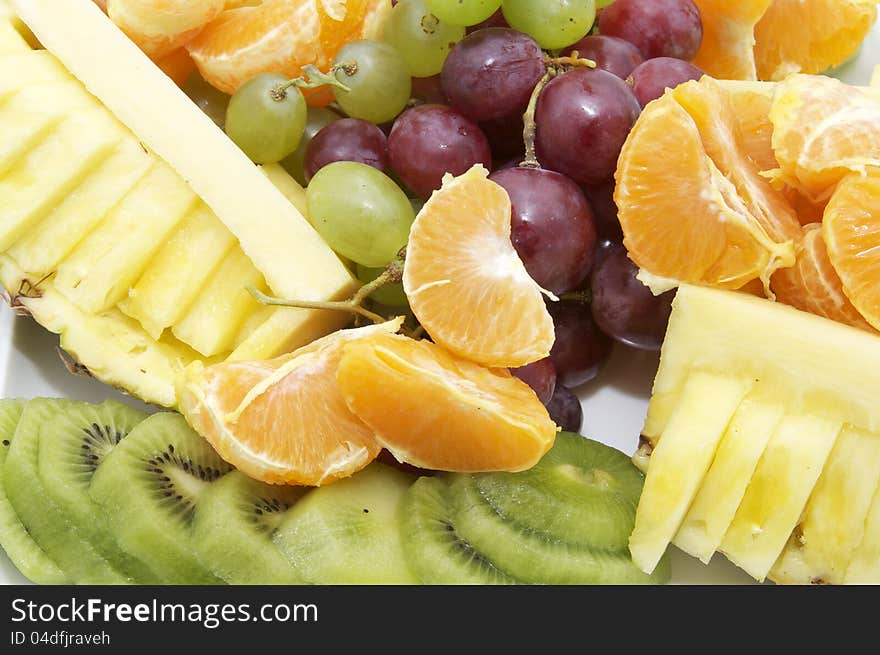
359, 212
601, 4
554, 24
420, 37
378, 80
266, 128
210, 100
463, 12
316, 119
391, 294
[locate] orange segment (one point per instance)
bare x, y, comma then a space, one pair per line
464, 281
177, 65
281, 37
812, 284
729, 37
692, 204
434, 410
810, 36
852, 233
823, 129
282, 420
159, 27
751, 102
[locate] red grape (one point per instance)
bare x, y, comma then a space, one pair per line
551, 226
651, 79
428, 90
581, 348
583, 118
429, 141
623, 307
540, 376
601, 199
565, 409
491, 73
658, 28
349, 139
495, 20
610, 54
505, 137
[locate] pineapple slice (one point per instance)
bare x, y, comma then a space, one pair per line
30, 69
11, 42
725, 484
44, 246
833, 523
178, 272
864, 567
680, 461
102, 269
213, 321
778, 492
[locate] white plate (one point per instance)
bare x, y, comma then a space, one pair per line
614, 405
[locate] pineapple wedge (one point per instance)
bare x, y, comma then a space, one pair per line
806, 437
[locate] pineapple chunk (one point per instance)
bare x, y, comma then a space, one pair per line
213, 321
833, 523
725, 484
287, 185
44, 246
864, 568
178, 272
52, 169
778, 492
30, 69
680, 461
11, 41
102, 269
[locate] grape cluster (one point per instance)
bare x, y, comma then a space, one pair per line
543, 93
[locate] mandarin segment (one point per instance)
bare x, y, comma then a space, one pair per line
437, 411
729, 37
282, 420
159, 27
465, 282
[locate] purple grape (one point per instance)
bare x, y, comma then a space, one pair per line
623, 307
551, 226
583, 118
658, 28
581, 348
428, 90
505, 137
565, 409
540, 376
429, 141
651, 79
492, 73
349, 139
601, 199
610, 54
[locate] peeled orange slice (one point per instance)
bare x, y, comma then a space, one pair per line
852, 233
692, 203
810, 36
282, 420
464, 281
812, 285
160, 26
727, 51
823, 129
434, 410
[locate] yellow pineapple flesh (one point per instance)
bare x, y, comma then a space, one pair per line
780, 470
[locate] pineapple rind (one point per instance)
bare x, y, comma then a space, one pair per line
723, 488
680, 462
864, 567
179, 271
778, 491
833, 522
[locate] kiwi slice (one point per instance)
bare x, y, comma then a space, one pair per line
71, 448
434, 549
233, 527
47, 523
349, 532
21, 548
149, 487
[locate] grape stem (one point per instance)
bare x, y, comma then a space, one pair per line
312, 79
529, 126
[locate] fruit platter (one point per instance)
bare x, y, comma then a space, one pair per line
344, 292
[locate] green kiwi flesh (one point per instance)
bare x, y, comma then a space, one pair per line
71, 448
349, 532
44, 520
233, 526
21, 548
149, 486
